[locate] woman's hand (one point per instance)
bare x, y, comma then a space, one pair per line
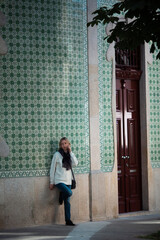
51, 186
69, 148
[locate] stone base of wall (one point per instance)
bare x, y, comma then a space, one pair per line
104, 202
155, 190
28, 201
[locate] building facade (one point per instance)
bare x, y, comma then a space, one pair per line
58, 79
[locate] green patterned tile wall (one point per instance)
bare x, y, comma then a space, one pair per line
154, 92
105, 104
44, 84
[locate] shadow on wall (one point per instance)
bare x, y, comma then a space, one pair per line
54, 201
54, 145
46, 208
4, 149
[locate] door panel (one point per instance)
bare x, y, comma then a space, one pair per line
132, 142
120, 146
128, 145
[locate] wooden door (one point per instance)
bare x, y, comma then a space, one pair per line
128, 145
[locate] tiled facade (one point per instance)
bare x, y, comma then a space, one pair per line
56, 81
44, 87
44, 84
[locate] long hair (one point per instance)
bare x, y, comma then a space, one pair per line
66, 161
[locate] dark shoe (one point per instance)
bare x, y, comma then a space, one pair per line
70, 223
60, 198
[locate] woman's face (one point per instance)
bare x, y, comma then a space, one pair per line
65, 145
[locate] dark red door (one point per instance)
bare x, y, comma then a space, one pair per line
128, 145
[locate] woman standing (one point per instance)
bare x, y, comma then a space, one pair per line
61, 175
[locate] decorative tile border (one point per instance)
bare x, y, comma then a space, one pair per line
105, 90
154, 92
44, 84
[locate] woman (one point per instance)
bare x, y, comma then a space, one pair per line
61, 175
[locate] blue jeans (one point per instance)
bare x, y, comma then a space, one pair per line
67, 193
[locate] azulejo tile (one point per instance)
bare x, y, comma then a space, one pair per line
105, 103
154, 92
44, 84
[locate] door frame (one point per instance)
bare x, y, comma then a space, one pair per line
146, 168
146, 58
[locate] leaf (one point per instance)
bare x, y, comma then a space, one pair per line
158, 55
105, 38
144, 27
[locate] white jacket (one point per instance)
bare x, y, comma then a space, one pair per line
59, 174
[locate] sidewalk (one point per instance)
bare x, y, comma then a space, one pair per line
129, 228
123, 228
